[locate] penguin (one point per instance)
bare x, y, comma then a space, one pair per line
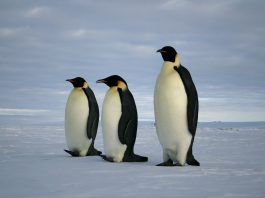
119, 122
81, 119
176, 110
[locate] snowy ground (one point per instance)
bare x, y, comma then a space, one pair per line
33, 164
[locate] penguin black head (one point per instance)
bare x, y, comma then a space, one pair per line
113, 81
168, 53
78, 82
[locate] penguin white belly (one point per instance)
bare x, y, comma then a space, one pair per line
76, 115
171, 116
111, 113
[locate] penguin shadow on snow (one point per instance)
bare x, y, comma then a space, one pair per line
81, 119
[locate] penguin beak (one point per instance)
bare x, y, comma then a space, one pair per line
161, 51
70, 80
101, 81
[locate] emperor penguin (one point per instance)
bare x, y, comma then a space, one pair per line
81, 119
119, 122
176, 110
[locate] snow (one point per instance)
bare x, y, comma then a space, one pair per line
33, 164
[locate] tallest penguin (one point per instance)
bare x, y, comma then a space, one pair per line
176, 110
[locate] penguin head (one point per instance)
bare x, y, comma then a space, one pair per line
78, 82
168, 53
114, 81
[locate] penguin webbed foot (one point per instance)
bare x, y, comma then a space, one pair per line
169, 163
193, 162
93, 152
166, 163
135, 158
72, 153
108, 159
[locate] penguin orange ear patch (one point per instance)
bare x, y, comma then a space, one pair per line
121, 85
85, 85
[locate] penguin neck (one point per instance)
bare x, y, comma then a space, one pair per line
177, 61
85, 86
121, 85
169, 66
115, 88
78, 89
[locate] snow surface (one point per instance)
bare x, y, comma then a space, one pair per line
33, 164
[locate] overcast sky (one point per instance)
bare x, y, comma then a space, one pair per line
222, 43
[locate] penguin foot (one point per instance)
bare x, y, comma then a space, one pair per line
192, 162
135, 158
167, 163
72, 153
178, 164
109, 159
93, 152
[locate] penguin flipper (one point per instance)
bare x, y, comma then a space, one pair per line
192, 95
93, 117
73, 153
127, 127
123, 124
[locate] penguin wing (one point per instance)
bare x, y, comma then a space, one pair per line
192, 96
93, 117
128, 122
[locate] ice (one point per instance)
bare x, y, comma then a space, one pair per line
33, 164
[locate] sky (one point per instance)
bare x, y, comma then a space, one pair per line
43, 43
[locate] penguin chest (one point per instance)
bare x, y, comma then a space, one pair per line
76, 115
111, 114
170, 102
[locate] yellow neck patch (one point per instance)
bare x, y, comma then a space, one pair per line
121, 85
177, 61
85, 85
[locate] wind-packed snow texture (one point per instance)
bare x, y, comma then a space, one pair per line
33, 164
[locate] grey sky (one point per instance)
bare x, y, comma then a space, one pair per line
222, 43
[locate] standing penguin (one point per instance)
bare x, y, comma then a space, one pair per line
119, 122
81, 119
176, 110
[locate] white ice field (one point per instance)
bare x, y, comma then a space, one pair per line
34, 165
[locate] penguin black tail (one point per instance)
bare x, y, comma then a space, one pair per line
72, 153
